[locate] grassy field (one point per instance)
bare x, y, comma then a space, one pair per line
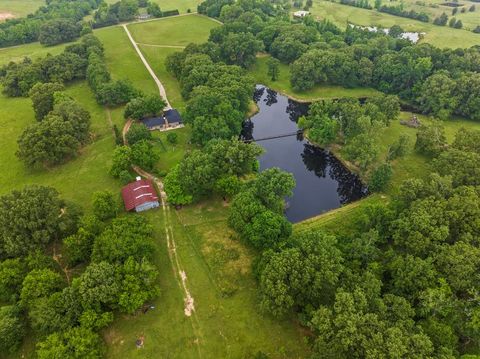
19, 8
440, 36
170, 154
282, 84
77, 179
176, 31
226, 322
33, 50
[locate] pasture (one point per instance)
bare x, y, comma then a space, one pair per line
440, 36
19, 8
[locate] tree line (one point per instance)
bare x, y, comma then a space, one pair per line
43, 242
57, 22
123, 10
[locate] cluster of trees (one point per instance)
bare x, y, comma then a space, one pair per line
364, 4
107, 92
401, 282
63, 127
399, 11
216, 168
442, 20
218, 95
56, 22
18, 78
256, 213
352, 124
146, 106
37, 290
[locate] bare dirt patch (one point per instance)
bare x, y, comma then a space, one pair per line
6, 15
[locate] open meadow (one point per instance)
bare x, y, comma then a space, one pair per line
19, 8
440, 36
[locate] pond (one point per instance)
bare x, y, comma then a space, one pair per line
322, 181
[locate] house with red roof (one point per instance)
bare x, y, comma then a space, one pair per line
140, 195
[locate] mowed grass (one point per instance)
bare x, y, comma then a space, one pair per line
176, 31
33, 51
440, 36
170, 154
20, 8
122, 59
77, 179
282, 84
226, 322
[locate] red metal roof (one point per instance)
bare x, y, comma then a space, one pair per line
137, 193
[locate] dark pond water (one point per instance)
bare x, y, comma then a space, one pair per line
323, 182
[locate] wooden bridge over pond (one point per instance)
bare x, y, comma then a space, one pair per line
294, 133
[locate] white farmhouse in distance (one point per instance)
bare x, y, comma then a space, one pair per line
301, 13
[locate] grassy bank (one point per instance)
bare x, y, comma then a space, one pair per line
282, 84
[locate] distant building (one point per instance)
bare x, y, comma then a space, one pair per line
140, 195
170, 119
301, 13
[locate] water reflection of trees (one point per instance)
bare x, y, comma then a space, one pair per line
317, 160
258, 93
296, 109
271, 97
247, 130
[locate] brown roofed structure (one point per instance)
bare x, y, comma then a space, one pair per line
140, 195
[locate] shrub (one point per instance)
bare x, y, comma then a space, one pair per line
380, 177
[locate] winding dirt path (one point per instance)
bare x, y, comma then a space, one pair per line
161, 89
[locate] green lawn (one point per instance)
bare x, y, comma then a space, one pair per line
77, 179
226, 322
33, 50
170, 155
122, 60
20, 8
440, 36
177, 31
282, 84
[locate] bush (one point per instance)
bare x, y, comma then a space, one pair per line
104, 205
172, 138
380, 177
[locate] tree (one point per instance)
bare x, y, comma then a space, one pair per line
399, 148
273, 68
142, 107
144, 155
153, 9
39, 283
138, 284
49, 142
12, 329
173, 188
138, 132
172, 138
396, 31
122, 160
104, 205
431, 139
271, 187
452, 22
125, 237
12, 272
78, 246
113, 93
458, 24
77, 342
240, 49
98, 287
268, 230
441, 20
32, 218
227, 186
42, 98
57, 31
362, 150
380, 177
304, 275
463, 167
324, 130
467, 140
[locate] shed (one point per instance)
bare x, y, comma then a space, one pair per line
140, 195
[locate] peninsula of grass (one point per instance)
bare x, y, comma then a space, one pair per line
259, 72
